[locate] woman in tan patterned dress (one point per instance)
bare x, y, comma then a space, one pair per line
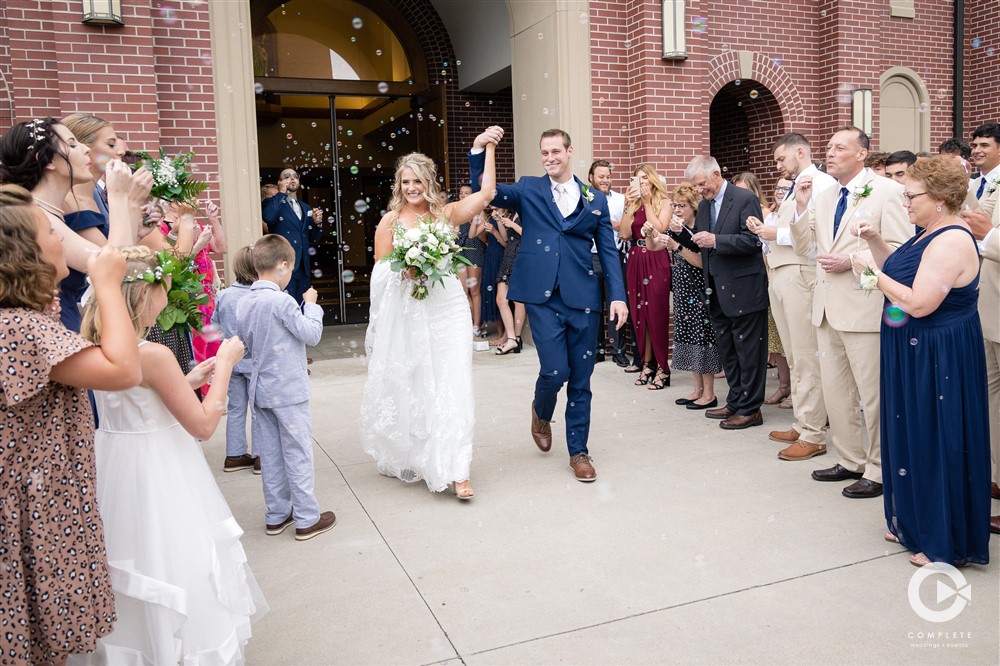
54, 583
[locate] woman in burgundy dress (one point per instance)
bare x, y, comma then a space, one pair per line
648, 274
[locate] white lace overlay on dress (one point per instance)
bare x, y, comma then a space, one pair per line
417, 408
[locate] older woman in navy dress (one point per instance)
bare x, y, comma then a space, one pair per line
934, 405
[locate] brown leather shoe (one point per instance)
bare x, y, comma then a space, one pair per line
739, 422
327, 521
799, 450
784, 436
995, 524
995, 491
720, 413
541, 432
582, 467
275, 530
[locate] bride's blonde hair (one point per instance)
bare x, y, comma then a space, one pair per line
138, 260
426, 173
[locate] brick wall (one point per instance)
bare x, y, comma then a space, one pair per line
467, 114
809, 57
155, 86
982, 59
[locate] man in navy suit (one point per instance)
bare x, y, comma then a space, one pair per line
736, 282
553, 276
299, 223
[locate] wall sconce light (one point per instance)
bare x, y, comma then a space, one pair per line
861, 110
674, 26
103, 12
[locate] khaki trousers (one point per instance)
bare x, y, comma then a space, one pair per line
849, 363
790, 290
993, 387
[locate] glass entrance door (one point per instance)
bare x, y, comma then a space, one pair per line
344, 149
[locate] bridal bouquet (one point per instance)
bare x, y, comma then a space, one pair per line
428, 252
172, 179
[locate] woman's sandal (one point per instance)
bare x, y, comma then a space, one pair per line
662, 381
646, 377
779, 395
891, 538
919, 560
503, 349
463, 490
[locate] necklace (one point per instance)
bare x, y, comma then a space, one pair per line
50, 209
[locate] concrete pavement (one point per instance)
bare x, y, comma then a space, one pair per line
695, 545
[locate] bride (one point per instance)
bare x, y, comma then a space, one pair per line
417, 408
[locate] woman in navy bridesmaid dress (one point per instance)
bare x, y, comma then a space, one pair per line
934, 403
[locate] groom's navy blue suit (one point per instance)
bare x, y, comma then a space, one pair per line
554, 277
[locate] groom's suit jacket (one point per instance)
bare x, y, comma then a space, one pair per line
555, 250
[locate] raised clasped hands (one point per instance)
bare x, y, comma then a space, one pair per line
118, 178
492, 135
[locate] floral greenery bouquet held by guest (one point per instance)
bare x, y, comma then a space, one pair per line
427, 253
172, 179
185, 291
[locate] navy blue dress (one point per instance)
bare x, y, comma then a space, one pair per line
491, 271
73, 285
935, 421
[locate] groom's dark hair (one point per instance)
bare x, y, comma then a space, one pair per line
557, 132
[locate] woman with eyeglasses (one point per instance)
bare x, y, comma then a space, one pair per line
934, 402
694, 337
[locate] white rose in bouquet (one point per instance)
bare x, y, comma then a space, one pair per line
428, 252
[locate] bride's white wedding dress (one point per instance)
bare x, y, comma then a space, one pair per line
183, 590
417, 409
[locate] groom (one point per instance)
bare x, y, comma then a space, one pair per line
554, 277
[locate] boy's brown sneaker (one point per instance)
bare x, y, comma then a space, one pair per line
256, 465
274, 530
237, 463
325, 523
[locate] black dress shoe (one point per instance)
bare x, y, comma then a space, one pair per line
708, 405
620, 359
836, 473
599, 358
863, 488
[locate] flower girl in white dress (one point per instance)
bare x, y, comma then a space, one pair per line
183, 590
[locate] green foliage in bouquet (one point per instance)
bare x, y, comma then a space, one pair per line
428, 250
172, 179
185, 295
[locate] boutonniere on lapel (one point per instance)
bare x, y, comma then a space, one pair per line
589, 196
993, 186
860, 192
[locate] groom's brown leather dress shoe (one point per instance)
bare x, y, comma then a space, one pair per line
583, 468
541, 432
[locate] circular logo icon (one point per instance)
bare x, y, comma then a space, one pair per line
949, 584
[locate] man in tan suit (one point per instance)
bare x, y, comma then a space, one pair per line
985, 225
793, 278
848, 318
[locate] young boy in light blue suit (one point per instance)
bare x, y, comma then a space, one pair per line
224, 317
275, 332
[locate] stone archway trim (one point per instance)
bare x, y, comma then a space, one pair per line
736, 65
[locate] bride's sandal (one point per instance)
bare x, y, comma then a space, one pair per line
463, 490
